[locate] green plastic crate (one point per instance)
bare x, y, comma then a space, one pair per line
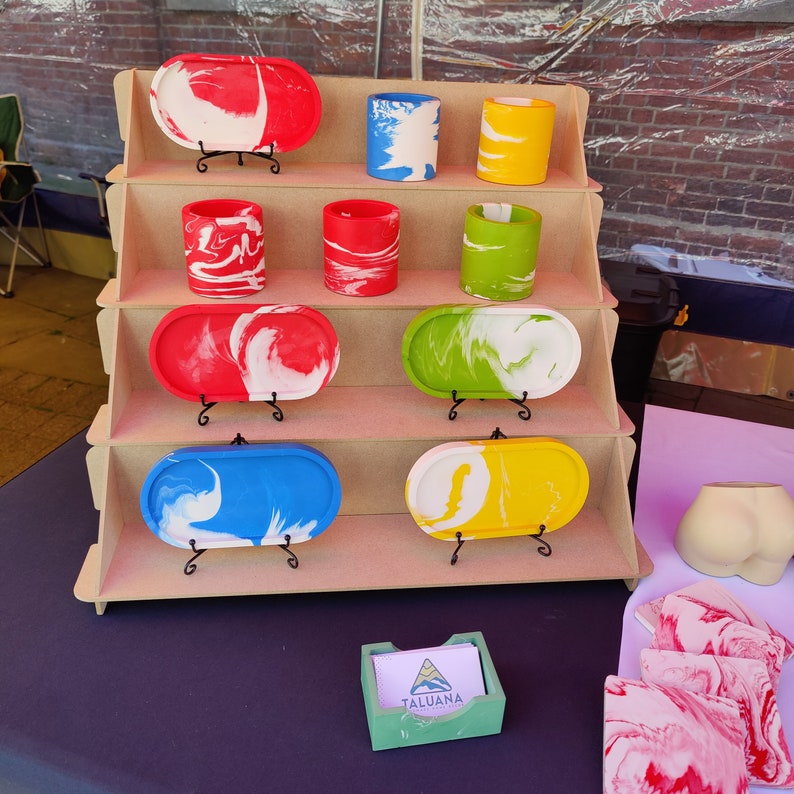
397, 727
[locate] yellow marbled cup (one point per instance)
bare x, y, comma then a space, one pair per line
515, 140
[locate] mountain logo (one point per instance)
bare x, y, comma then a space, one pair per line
429, 680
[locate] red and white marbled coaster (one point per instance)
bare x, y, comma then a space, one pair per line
666, 739
745, 681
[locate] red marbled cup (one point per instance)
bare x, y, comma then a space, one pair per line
361, 242
224, 247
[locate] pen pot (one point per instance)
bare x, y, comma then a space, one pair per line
361, 243
515, 140
224, 247
402, 136
500, 247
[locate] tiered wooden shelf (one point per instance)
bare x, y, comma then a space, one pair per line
370, 421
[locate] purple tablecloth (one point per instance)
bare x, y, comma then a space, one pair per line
263, 693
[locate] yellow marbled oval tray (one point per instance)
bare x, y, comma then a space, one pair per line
496, 488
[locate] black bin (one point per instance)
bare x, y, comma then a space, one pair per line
648, 302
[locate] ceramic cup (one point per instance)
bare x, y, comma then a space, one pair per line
738, 529
361, 243
515, 140
402, 136
224, 247
500, 248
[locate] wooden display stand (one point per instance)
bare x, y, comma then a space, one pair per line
370, 421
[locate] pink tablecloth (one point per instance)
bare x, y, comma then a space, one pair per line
681, 451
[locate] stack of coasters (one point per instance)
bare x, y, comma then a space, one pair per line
707, 693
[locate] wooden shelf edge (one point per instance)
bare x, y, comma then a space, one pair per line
397, 556
351, 176
167, 288
350, 413
84, 589
645, 565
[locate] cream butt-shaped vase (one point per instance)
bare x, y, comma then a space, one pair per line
739, 528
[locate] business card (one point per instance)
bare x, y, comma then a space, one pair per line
429, 681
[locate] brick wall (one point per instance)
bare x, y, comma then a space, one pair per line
690, 129
697, 155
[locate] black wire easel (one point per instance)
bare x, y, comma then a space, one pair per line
524, 413
203, 419
202, 167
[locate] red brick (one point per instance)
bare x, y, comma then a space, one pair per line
779, 195
722, 33
785, 161
769, 225
693, 217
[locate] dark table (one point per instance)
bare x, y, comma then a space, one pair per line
262, 694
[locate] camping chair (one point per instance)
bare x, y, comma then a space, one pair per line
100, 185
17, 184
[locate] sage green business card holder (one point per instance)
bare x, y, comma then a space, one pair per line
398, 727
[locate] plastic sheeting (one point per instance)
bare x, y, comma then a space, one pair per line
464, 39
731, 365
547, 36
690, 114
683, 63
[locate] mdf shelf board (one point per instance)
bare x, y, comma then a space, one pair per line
293, 228
126, 256
327, 175
140, 416
386, 327
124, 383
156, 417
461, 112
167, 289
581, 263
121, 380
96, 461
614, 505
644, 563
388, 552
106, 322
114, 202
340, 139
597, 212
127, 96
111, 521
595, 370
98, 433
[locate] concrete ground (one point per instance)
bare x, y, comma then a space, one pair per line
51, 378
